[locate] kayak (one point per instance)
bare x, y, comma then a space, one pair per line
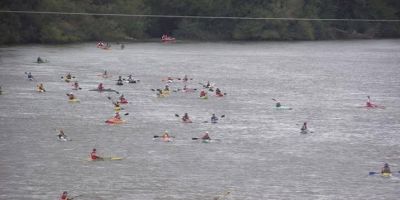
120, 83
117, 109
124, 101
187, 121
161, 95
372, 106
204, 97
131, 81
114, 121
104, 90
106, 158
167, 139
219, 95
73, 100
386, 175
39, 90
304, 131
166, 92
63, 139
283, 108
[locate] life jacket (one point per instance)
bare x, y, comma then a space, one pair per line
64, 197
93, 155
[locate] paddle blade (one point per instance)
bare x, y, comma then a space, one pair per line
126, 113
195, 138
156, 136
373, 173
222, 116
176, 115
109, 98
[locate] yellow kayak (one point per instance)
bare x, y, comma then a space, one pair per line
117, 109
204, 97
386, 174
73, 100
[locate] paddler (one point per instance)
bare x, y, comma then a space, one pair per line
166, 88
119, 81
185, 117
165, 135
208, 85
304, 127
218, 92
122, 98
369, 104
385, 169
61, 134
206, 136
76, 85
185, 78
39, 60
64, 196
94, 156
100, 87
203, 93
68, 76
40, 87
30, 76
71, 96
117, 116
214, 119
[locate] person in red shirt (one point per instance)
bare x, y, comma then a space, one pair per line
117, 116
64, 196
94, 156
100, 87
203, 93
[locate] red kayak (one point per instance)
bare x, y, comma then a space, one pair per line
114, 121
123, 101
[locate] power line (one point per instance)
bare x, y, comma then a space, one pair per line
196, 17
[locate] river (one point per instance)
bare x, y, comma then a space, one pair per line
259, 152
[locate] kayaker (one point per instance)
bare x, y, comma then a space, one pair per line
64, 196
61, 134
122, 98
304, 127
76, 85
386, 169
30, 77
119, 81
122, 46
100, 87
185, 117
71, 96
369, 104
40, 87
165, 135
117, 105
185, 78
94, 156
130, 79
105, 73
39, 60
214, 119
218, 92
206, 136
278, 104
203, 93
68, 76
208, 85
166, 88
117, 116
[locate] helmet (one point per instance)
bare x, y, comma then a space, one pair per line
386, 165
65, 192
206, 132
94, 149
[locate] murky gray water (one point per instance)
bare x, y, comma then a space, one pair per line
261, 154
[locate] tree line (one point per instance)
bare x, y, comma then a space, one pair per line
46, 28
